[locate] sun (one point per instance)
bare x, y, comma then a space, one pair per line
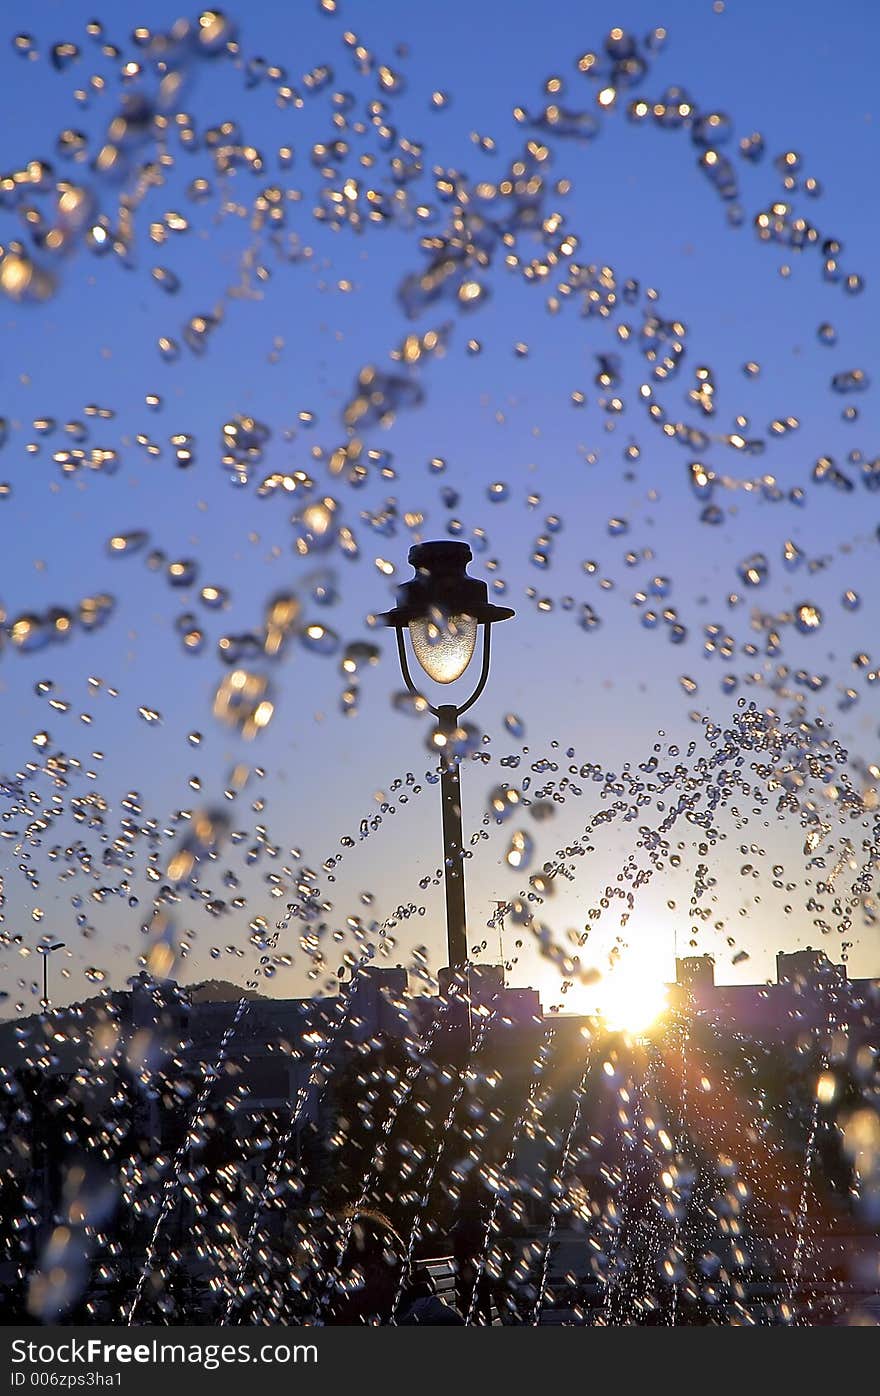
632, 998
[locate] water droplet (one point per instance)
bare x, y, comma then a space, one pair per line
320, 639
754, 571
807, 617
520, 850
124, 544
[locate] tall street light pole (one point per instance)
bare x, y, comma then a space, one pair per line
443, 608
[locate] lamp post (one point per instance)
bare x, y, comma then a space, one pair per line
46, 951
443, 609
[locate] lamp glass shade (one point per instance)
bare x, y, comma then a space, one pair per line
443, 645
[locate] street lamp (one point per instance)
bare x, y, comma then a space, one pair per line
46, 951
443, 608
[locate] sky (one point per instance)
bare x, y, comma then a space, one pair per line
637, 202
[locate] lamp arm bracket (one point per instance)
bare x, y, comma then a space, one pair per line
481, 683
484, 672
404, 669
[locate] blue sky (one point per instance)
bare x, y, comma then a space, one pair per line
637, 203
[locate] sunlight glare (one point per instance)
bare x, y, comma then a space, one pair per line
632, 998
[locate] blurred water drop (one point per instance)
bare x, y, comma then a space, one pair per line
754, 570
807, 617
320, 639
520, 850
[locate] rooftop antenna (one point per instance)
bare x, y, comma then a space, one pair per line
500, 908
46, 951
